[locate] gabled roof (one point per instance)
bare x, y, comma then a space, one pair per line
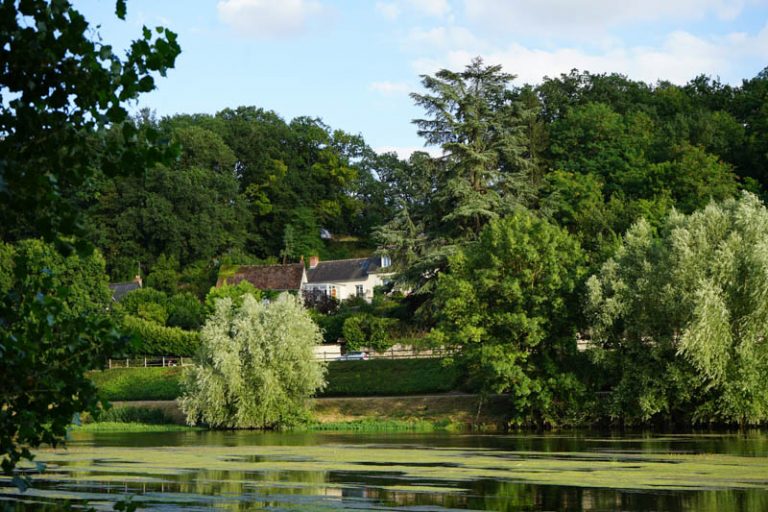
119, 290
356, 269
269, 277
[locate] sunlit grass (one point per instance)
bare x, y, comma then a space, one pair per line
113, 426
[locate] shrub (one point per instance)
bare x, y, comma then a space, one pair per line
365, 330
185, 312
235, 292
133, 301
153, 312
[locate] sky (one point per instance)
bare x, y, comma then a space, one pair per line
353, 63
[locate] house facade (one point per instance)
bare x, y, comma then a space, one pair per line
345, 279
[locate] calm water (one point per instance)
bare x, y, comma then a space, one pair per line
330, 471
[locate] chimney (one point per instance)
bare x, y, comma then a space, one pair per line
138, 280
313, 261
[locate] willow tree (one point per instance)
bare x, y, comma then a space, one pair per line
683, 315
256, 367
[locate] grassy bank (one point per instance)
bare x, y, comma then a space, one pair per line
118, 426
425, 413
379, 377
449, 411
138, 383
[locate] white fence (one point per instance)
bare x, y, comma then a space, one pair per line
322, 353
149, 362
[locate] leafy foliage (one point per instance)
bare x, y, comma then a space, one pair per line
156, 339
506, 305
54, 326
681, 316
256, 366
235, 292
366, 330
62, 89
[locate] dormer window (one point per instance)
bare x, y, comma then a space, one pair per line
385, 261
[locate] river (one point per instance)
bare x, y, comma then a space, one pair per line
583, 471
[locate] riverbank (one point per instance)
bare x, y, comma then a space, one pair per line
446, 411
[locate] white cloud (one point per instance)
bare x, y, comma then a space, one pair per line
429, 8
588, 18
268, 18
436, 8
443, 38
680, 57
389, 10
391, 88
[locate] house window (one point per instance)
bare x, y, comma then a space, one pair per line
385, 261
333, 292
359, 291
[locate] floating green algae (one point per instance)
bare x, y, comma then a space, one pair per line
351, 471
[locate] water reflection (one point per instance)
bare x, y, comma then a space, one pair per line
284, 478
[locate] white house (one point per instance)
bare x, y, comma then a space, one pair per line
344, 279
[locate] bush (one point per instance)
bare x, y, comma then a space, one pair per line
138, 383
153, 312
235, 292
365, 330
156, 339
133, 301
185, 312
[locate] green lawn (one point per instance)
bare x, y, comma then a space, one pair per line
379, 377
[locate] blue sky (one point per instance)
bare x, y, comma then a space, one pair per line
353, 62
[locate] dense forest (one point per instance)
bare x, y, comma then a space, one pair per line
591, 153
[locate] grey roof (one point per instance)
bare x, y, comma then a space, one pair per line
356, 269
119, 290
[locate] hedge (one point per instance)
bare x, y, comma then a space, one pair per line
138, 383
378, 377
382, 377
160, 340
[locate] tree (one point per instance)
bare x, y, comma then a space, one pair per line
54, 327
476, 119
62, 88
680, 317
256, 367
507, 304
190, 210
487, 168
